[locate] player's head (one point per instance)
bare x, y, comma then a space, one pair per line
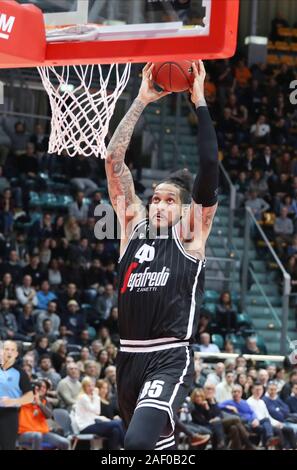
169, 199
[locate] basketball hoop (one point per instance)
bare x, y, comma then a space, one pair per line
82, 100
80, 114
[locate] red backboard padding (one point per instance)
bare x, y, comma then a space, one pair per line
26, 46
22, 35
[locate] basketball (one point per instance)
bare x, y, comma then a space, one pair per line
174, 76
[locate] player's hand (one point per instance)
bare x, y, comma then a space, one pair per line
147, 92
197, 90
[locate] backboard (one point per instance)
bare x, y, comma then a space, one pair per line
141, 30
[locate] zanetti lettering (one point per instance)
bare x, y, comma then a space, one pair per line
148, 279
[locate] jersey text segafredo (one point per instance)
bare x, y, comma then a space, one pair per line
148, 279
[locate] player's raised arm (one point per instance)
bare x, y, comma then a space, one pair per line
205, 189
120, 182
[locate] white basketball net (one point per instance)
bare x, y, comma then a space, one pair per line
81, 112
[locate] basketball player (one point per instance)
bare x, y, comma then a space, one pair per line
161, 275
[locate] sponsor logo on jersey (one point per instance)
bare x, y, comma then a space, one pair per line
146, 281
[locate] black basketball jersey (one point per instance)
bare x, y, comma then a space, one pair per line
160, 287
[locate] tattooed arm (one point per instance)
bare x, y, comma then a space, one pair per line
120, 182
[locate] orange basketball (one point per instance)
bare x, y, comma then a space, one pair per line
174, 76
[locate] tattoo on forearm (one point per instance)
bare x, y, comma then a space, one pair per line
120, 181
119, 143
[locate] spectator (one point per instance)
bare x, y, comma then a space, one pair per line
95, 275
226, 317
283, 228
44, 296
205, 344
204, 325
258, 184
242, 74
92, 370
79, 209
26, 293
260, 131
70, 294
19, 138
246, 384
218, 375
54, 274
90, 420
224, 389
103, 361
287, 388
12, 267
8, 323
69, 388
51, 315
207, 419
251, 347
33, 425
269, 424
74, 320
277, 408
292, 402
257, 204
106, 302
39, 139
72, 229
84, 357
35, 271
27, 322
7, 290
46, 370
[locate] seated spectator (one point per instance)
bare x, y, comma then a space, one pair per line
110, 376
41, 229
106, 301
269, 424
205, 344
69, 388
26, 322
246, 383
44, 296
78, 210
54, 274
84, 357
26, 293
204, 323
72, 230
271, 370
74, 320
35, 270
58, 355
260, 131
259, 184
218, 375
90, 420
47, 330
112, 324
226, 129
206, 418
242, 74
33, 426
292, 248
103, 362
112, 351
45, 252
19, 138
84, 338
226, 316
277, 408
80, 170
8, 324
92, 370
292, 401
283, 228
46, 370
257, 204
223, 390
251, 347
280, 186
70, 294
266, 162
95, 275
229, 347
39, 139
7, 212
287, 388
49, 314
279, 378
12, 267
7, 290
233, 162
108, 406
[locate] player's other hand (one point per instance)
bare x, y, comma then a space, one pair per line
147, 92
197, 90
